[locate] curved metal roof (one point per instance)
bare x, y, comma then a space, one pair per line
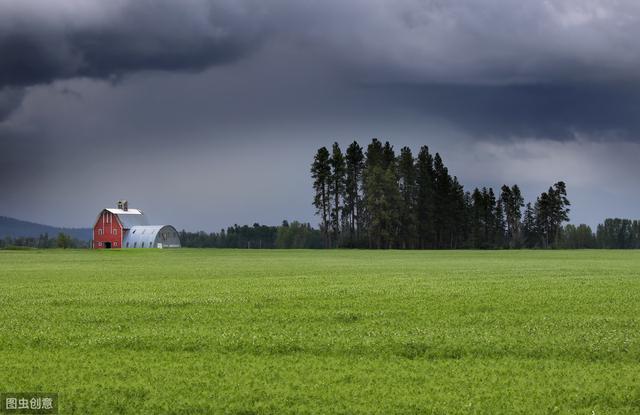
149, 236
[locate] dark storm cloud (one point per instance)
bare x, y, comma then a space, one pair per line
491, 67
488, 42
57, 40
534, 111
223, 102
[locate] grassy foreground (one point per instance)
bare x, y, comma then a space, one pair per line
252, 332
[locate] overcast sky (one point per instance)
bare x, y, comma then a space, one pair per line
207, 113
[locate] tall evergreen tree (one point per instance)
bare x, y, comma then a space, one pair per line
353, 199
442, 191
513, 203
390, 186
381, 194
477, 219
336, 191
552, 209
374, 155
408, 191
394, 204
425, 199
490, 218
321, 173
559, 208
486, 207
388, 156
542, 209
500, 225
372, 191
459, 211
529, 227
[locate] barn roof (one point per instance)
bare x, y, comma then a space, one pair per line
125, 212
130, 217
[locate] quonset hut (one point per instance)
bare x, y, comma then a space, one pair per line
128, 228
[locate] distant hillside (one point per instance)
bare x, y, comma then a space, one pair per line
20, 228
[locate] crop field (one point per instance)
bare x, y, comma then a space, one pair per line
276, 332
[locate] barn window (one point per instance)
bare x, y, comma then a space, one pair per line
100, 231
99, 243
115, 244
115, 231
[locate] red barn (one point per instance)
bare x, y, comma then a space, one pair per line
128, 228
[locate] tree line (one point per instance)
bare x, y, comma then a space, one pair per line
618, 233
612, 234
295, 235
375, 198
43, 241
287, 235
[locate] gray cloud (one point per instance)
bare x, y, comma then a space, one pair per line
222, 103
10, 99
43, 42
556, 111
492, 67
488, 42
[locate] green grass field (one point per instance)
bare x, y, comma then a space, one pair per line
253, 332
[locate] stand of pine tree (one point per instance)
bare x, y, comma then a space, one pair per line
374, 198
